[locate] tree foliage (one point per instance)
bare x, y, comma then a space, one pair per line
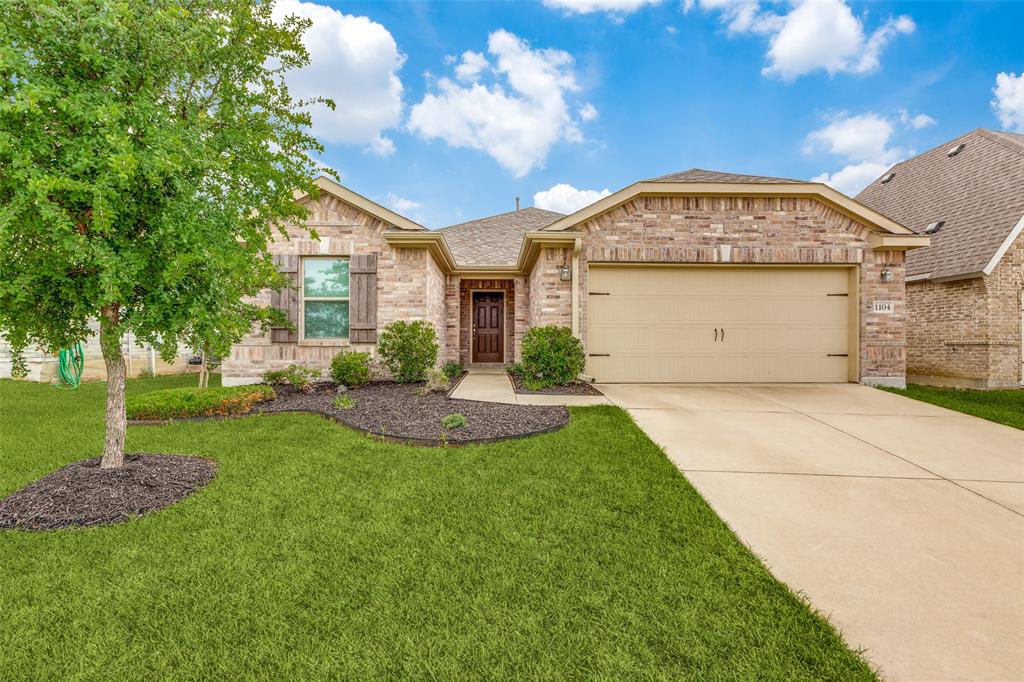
148, 149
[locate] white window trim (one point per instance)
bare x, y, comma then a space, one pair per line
331, 341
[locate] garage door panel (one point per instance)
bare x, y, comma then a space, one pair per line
707, 324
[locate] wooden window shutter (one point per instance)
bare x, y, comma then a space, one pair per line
288, 299
362, 313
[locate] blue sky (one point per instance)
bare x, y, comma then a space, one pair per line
596, 94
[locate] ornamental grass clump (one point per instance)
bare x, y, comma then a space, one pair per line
551, 356
182, 403
454, 421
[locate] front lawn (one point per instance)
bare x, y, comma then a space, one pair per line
1005, 407
317, 553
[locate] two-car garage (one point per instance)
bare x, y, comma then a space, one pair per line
721, 323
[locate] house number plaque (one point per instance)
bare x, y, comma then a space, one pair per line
885, 307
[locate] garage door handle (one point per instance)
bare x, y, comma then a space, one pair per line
599, 355
838, 355
723, 333
716, 333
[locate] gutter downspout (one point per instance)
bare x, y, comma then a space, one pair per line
576, 245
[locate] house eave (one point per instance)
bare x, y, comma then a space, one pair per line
382, 213
840, 202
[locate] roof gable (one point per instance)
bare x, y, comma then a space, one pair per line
697, 182
978, 193
374, 209
497, 239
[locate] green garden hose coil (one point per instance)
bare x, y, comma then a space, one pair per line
70, 366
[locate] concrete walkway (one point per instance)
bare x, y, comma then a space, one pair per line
493, 385
901, 521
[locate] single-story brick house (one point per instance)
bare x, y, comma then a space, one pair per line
965, 292
691, 277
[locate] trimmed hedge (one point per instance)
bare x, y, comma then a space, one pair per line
181, 403
551, 356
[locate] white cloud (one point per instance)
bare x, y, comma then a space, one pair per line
517, 117
1009, 101
610, 6
815, 35
400, 204
859, 138
864, 142
671, 30
353, 61
563, 198
471, 66
588, 112
916, 122
851, 179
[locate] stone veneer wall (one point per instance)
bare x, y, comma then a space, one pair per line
967, 333
401, 290
756, 230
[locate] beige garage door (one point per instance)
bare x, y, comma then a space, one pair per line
718, 324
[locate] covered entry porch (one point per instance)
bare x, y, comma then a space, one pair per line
486, 319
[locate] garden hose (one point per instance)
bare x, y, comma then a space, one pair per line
70, 366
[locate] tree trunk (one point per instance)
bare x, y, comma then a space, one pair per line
204, 372
110, 343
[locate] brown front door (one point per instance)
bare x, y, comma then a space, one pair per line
488, 326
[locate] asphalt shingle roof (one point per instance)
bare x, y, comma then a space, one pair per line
495, 240
979, 193
699, 175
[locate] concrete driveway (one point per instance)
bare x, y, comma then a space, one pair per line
901, 521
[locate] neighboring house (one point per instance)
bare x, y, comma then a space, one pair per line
965, 292
141, 359
691, 277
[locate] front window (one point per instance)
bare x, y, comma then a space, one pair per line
325, 298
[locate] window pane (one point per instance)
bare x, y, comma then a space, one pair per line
326, 276
326, 319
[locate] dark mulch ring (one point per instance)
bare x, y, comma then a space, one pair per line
575, 388
396, 411
82, 494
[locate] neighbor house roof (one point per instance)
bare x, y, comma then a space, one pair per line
497, 239
700, 175
978, 194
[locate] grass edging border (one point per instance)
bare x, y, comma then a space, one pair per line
389, 437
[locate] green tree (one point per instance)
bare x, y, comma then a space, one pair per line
148, 151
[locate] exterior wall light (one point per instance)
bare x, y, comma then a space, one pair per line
886, 275
565, 272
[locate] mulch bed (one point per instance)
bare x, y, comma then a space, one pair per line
575, 388
82, 494
397, 412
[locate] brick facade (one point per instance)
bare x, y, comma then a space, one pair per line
744, 230
410, 286
967, 332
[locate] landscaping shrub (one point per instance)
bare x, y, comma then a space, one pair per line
551, 356
180, 403
344, 402
453, 369
295, 375
454, 421
409, 349
351, 368
515, 369
436, 381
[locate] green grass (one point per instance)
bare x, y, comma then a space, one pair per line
317, 553
180, 403
1005, 407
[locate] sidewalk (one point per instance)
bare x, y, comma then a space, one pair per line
493, 386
